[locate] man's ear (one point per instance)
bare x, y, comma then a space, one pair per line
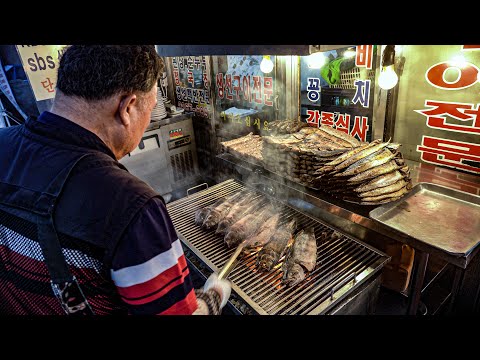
125, 108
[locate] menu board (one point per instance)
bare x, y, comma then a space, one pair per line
244, 93
192, 84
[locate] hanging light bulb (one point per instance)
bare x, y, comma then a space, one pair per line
266, 65
316, 60
388, 77
349, 53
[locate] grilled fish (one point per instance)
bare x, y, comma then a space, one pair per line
340, 134
202, 212
369, 162
301, 258
247, 226
374, 172
384, 196
374, 146
384, 190
381, 181
379, 202
350, 153
326, 137
242, 207
263, 235
217, 213
271, 253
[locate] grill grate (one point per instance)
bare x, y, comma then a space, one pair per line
342, 264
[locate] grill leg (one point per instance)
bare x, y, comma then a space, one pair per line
418, 275
455, 288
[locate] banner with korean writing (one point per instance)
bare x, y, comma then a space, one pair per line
40, 63
437, 116
7, 91
244, 93
336, 89
192, 84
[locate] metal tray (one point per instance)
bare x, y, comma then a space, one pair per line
445, 218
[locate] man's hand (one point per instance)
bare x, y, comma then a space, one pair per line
221, 286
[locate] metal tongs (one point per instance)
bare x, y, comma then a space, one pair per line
231, 262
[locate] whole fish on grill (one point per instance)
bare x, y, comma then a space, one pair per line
247, 226
244, 206
263, 235
202, 212
218, 212
301, 257
271, 253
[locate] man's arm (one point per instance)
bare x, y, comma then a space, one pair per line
149, 267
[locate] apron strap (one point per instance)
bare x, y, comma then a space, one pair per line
64, 284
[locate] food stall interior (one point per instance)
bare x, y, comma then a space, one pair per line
322, 143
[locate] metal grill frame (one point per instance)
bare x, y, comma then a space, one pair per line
317, 294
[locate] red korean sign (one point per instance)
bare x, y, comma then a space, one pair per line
450, 77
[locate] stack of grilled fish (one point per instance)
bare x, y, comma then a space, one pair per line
285, 126
248, 148
331, 160
299, 155
370, 174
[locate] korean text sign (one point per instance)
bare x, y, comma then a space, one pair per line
40, 63
454, 120
336, 90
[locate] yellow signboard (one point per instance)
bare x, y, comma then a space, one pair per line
40, 63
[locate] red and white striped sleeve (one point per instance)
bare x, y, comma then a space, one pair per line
149, 267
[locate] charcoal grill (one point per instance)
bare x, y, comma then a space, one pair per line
344, 264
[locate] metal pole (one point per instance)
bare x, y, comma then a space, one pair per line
3, 116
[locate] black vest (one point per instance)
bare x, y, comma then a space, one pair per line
97, 197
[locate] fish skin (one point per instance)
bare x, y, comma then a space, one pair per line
246, 226
394, 146
374, 172
201, 214
384, 201
328, 153
373, 160
384, 190
235, 213
217, 213
263, 235
340, 134
325, 136
271, 253
394, 194
301, 258
380, 181
350, 153
373, 147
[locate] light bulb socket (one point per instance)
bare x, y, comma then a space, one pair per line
388, 57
